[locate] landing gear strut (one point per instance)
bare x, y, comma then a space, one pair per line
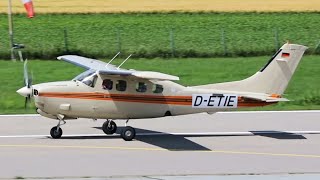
109, 127
56, 132
128, 133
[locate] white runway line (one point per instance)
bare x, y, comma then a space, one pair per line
178, 134
222, 112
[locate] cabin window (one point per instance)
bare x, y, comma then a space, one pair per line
107, 84
141, 87
157, 88
121, 85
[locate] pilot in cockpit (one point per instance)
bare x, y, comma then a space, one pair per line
107, 84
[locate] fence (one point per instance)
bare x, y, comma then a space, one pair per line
149, 42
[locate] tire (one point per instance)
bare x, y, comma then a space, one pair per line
109, 129
128, 133
56, 134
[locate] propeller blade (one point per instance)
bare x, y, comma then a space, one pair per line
25, 73
27, 90
27, 101
31, 79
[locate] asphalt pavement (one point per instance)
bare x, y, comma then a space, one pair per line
199, 146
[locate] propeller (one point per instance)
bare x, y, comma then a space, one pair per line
26, 91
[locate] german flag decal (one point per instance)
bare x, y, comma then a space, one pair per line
285, 55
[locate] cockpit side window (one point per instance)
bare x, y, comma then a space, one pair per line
157, 88
107, 84
83, 75
141, 87
121, 85
90, 81
88, 78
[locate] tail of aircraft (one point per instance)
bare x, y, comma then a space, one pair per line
272, 78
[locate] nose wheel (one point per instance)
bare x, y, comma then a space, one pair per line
56, 132
109, 127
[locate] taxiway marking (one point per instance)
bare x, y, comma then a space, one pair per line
159, 149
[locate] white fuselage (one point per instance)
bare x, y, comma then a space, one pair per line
74, 99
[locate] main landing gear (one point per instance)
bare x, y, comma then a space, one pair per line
128, 133
56, 132
110, 127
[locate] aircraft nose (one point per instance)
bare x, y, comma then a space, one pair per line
25, 91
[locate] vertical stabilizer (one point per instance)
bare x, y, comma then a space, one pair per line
273, 78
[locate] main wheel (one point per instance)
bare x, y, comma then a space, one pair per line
128, 133
109, 127
56, 132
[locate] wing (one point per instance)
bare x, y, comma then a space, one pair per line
109, 69
86, 63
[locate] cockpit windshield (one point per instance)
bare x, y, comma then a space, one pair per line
88, 78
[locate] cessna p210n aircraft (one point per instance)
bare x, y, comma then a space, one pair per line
105, 91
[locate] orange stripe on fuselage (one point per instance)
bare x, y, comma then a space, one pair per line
174, 100
177, 100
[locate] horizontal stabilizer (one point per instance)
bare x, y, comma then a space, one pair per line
277, 100
265, 98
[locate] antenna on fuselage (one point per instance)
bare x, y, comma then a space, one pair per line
124, 61
112, 59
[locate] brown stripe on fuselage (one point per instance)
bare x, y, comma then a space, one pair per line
177, 100
154, 99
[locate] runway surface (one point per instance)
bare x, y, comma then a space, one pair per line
237, 143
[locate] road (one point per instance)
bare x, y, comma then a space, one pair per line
201, 144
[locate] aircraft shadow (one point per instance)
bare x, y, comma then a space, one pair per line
159, 139
165, 141
180, 142
278, 134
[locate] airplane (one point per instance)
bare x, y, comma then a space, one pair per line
106, 91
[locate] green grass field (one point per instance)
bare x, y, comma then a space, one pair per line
150, 34
304, 89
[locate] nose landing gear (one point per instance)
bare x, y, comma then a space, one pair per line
56, 132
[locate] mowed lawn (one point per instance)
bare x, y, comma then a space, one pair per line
304, 89
98, 6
